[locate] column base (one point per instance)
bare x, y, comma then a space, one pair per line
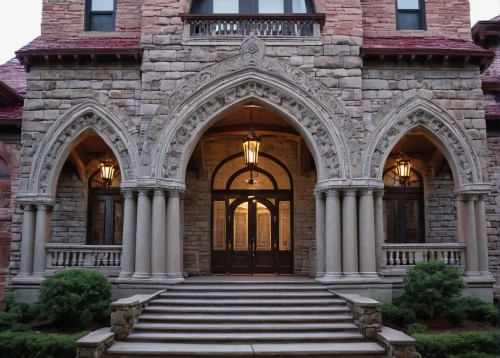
158, 276
351, 275
472, 273
25, 279
175, 277
486, 274
125, 274
370, 275
330, 278
319, 275
141, 275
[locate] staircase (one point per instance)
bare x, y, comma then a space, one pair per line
256, 317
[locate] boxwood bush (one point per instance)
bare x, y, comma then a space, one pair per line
447, 344
36, 345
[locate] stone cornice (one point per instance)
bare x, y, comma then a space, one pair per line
24, 198
349, 184
472, 189
153, 184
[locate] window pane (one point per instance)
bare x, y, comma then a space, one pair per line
285, 237
219, 225
263, 228
241, 228
102, 5
118, 224
226, 6
408, 21
102, 23
408, 4
271, 7
299, 6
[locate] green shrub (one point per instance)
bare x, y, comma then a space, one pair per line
24, 311
471, 308
416, 328
36, 345
456, 311
447, 344
20, 327
7, 320
431, 285
484, 312
74, 296
475, 355
397, 315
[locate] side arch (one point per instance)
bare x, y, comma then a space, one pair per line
441, 128
67, 132
301, 99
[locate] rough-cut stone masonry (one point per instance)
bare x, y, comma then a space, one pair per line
63, 18
457, 91
493, 207
449, 18
197, 204
69, 215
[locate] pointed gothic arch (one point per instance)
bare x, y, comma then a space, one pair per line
435, 122
299, 98
68, 131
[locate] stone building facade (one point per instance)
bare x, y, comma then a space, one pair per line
334, 88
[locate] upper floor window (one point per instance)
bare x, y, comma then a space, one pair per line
100, 15
410, 14
252, 7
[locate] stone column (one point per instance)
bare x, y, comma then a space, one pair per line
173, 237
28, 240
482, 237
349, 235
462, 218
471, 249
181, 246
129, 231
320, 235
42, 234
158, 264
379, 229
333, 244
367, 251
143, 235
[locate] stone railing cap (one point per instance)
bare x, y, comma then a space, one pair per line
358, 300
135, 300
392, 336
96, 338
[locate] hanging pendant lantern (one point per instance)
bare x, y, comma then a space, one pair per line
403, 167
251, 144
107, 171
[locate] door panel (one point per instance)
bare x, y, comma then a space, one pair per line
263, 257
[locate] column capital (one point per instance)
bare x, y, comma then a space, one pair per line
175, 192
378, 193
144, 192
128, 194
159, 192
28, 207
332, 192
349, 192
44, 207
474, 197
318, 194
366, 192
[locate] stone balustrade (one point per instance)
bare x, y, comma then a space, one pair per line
264, 25
406, 255
83, 256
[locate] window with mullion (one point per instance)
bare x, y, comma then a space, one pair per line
100, 15
410, 15
252, 7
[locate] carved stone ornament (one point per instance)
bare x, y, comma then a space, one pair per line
88, 115
426, 114
251, 74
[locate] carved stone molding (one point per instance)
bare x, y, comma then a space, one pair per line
419, 112
67, 129
313, 107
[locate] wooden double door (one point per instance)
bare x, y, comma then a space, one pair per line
252, 235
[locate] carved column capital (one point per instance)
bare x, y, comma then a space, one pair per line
129, 194
366, 192
332, 192
349, 192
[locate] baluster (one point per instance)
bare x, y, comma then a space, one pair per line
446, 258
119, 263
60, 259
405, 257
73, 258
391, 257
52, 259
399, 257
452, 257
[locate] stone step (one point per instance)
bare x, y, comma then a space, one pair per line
247, 302
246, 318
245, 337
244, 327
244, 294
236, 310
302, 350
245, 287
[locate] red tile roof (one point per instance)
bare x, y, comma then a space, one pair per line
40, 46
11, 115
492, 73
13, 75
431, 44
492, 111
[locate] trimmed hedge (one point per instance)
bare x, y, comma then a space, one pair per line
36, 345
447, 344
475, 355
397, 315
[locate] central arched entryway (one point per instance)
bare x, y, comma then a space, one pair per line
252, 217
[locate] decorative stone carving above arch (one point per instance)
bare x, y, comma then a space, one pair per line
437, 124
309, 106
65, 134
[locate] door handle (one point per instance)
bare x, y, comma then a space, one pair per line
230, 246
253, 247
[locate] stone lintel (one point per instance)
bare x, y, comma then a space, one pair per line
350, 184
153, 184
472, 189
97, 338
